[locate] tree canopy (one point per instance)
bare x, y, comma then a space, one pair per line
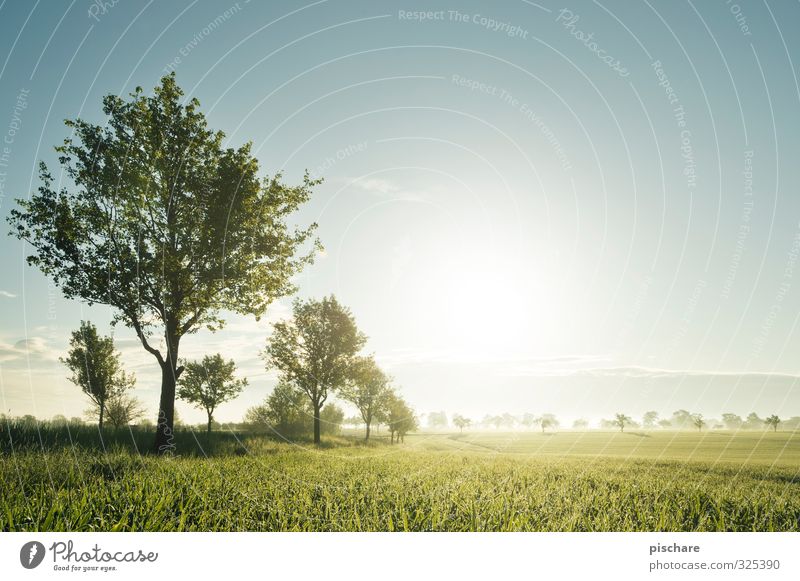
315, 350
209, 383
165, 224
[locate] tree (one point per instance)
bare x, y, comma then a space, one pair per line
698, 421
528, 420
437, 420
773, 421
368, 389
286, 411
401, 418
649, 419
96, 368
753, 422
547, 421
209, 383
461, 422
331, 418
165, 225
580, 424
620, 421
732, 421
681, 419
123, 410
316, 350
664, 424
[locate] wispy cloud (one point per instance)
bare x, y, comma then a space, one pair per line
639, 372
7, 295
34, 347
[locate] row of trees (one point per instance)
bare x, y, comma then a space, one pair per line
680, 419
316, 354
683, 419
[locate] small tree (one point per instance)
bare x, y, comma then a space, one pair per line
96, 367
650, 419
753, 422
461, 422
620, 421
368, 389
315, 351
580, 424
698, 421
732, 421
124, 409
401, 418
528, 420
286, 412
773, 421
664, 424
209, 383
331, 419
547, 421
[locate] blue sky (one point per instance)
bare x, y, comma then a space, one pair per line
577, 208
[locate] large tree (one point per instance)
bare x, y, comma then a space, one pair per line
315, 351
209, 383
165, 224
96, 368
400, 418
621, 420
368, 390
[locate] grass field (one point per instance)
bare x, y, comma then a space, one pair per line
569, 481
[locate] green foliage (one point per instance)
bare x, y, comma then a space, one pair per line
209, 383
773, 422
400, 418
96, 369
164, 224
368, 389
316, 350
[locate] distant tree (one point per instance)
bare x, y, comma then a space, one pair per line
753, 422
773, 421
732, 421
580, 424
437, 420
286, 411
792, 423
650, 419
698, 421
75, 421
315, 350
209, 383
508, 421
528, 420
331, 419
28, 420
461, 422
682, 419
620, 421
664, 424
165, 224
367, 388
546, 421
58, 421
124, 409
401, 418
96, 367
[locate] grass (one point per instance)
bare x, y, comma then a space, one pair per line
592, 481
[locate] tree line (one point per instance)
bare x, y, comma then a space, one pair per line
171, 229
679, 420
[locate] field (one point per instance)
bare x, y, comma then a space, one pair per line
569, 481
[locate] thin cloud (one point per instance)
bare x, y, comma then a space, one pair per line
7, 295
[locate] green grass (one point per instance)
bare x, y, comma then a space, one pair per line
593, 481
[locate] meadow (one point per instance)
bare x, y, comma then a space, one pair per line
481, 481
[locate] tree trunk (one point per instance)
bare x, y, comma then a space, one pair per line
316, 423
366, 438
208, 430
102, 411
165, 437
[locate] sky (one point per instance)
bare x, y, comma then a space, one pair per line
577, 208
